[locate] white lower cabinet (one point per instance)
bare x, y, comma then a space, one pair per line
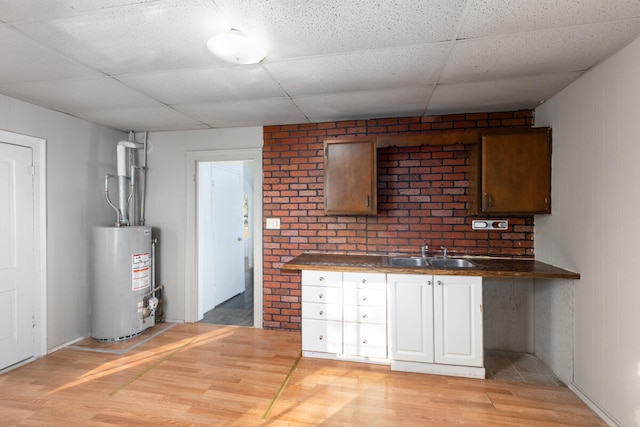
416, 323
322, 311
435, 324
365, 314
344, 314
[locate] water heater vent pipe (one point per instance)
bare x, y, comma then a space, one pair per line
123, 197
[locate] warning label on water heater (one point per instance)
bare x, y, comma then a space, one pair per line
141, 271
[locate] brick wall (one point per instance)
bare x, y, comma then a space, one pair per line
422, 195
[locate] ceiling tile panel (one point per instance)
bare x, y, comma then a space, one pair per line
293, 28
26, 61
253, 112
143, 119
407, 101
507, 94
76, 96
541, 52
493, 17
398, 67
144, 37
206, 84
30, 10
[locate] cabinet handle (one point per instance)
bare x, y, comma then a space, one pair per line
364, 316
428, 282
321, 312
365, 342
321, 337
365, 299
367, 202
364, 280
322, 279
321, 296
439, 283
488, 200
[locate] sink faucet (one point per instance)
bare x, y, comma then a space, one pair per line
444, 251
424, 249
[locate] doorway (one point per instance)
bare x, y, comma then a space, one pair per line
251, 242
225, 256
22, 249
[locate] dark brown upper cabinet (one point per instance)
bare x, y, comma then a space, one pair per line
350, 176
510, 173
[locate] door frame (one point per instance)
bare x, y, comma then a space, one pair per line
38, 147
192, 159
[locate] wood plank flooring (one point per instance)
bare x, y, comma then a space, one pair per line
205, 375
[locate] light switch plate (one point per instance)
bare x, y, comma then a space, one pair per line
490, 224
273, 223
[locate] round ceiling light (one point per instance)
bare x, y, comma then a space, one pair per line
237, 48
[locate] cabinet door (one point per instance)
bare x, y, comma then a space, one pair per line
350, 176
457, 308
510, 174
410, 317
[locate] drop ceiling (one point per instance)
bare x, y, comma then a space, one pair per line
143, 64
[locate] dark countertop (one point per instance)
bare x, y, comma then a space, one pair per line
486, 266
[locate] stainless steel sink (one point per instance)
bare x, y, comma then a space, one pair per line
408, 262
451, 263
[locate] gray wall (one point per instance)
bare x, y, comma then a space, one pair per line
79, 154
594, 230
166, 198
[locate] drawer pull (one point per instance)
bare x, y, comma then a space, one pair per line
364, 316
365, 342
321, 312
428, 282
365, 299
320, 296
322, 279
364, 280
439, 283
321, 337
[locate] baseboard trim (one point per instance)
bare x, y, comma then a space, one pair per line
601, 413
68, 343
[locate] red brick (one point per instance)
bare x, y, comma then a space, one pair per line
422, 195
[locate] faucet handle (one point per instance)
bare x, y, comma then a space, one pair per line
425, 249
444, 251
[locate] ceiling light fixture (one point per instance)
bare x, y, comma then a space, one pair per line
237, 48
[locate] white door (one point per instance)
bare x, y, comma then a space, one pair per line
220, 234
457, 307
410, 317
17, 285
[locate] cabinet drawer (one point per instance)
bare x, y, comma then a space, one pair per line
322, 278
322, 335
312, 310
322, 294
364, 314
366, 340
365, 297
364, 280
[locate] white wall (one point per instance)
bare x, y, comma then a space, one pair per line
166, 198
79, 154
594, 227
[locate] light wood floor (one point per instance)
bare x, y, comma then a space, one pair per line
200, 374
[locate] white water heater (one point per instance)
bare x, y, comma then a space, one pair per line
122, 269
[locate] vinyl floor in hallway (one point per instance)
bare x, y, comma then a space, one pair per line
210, 375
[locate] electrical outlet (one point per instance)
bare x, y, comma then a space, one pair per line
273, 223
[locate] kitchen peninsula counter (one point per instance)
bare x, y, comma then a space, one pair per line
485, 266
